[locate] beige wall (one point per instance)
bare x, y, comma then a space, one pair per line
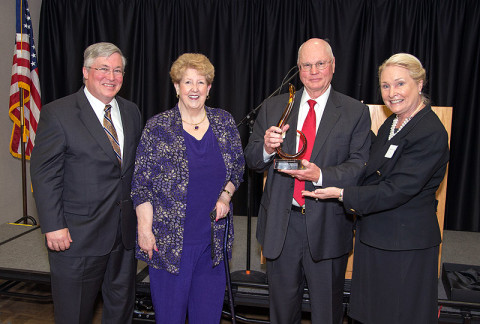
11, 206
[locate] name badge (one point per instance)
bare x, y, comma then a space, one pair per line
391, 150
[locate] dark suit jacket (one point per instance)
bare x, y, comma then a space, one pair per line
77, 180
340, 150
397, 201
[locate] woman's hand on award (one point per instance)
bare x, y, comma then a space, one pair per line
324, 193
274, 138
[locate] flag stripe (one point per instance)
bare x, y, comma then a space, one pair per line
24, 76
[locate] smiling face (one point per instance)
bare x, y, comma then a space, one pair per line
192, 90
104, 85
316, 81
400, 92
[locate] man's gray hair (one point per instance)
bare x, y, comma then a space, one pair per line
101, 50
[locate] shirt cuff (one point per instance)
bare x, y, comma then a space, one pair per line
267, 157
320, 180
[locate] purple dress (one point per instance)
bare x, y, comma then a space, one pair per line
161, 177
199, 287
206, 176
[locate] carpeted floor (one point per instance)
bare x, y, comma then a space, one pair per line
458, 247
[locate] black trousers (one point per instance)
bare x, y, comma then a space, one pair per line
76, 282
288, 273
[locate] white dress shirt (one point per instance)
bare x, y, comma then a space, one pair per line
99, 109
302, 115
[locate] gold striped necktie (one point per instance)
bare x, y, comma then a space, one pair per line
111, 132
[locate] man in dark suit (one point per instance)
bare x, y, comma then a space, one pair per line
81, 169
306, 240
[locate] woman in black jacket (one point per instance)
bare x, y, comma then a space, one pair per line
398, 236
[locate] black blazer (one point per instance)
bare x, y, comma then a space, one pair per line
396, 203
77, 180
340, 150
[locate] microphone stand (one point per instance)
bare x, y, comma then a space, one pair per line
249, 120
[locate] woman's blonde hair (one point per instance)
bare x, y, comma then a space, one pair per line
194, 61
409, 62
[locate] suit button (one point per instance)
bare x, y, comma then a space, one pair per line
379, 173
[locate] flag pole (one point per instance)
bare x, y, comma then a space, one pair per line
25, 217
22, 81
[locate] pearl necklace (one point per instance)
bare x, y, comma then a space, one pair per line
395, 121
195, 125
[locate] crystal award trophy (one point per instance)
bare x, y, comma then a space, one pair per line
289, 161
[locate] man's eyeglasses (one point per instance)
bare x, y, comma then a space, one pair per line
104, 70
320, 65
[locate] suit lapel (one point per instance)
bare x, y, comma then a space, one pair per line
129, 148
379, 148
90, 120
327, 123
382, 144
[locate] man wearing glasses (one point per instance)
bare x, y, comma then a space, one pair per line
81, 168
304, 240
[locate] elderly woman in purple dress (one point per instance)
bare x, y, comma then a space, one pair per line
189, 163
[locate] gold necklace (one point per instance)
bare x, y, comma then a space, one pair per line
195, 125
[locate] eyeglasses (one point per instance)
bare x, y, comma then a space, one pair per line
104, 70
320, 65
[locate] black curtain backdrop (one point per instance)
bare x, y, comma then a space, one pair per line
253, 43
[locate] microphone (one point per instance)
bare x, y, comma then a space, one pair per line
284, 81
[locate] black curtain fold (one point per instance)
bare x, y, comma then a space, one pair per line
253, 43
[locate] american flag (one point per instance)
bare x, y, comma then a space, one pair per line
24, 76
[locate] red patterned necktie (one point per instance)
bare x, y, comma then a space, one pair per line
309, 128
111, 132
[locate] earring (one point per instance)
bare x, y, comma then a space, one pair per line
420, 93
208, 96
177, 95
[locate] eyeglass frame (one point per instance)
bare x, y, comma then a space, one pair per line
106, 70
320, 65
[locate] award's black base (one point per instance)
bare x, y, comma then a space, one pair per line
282, 164
249, 276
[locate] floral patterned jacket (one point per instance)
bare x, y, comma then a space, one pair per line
161, 178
